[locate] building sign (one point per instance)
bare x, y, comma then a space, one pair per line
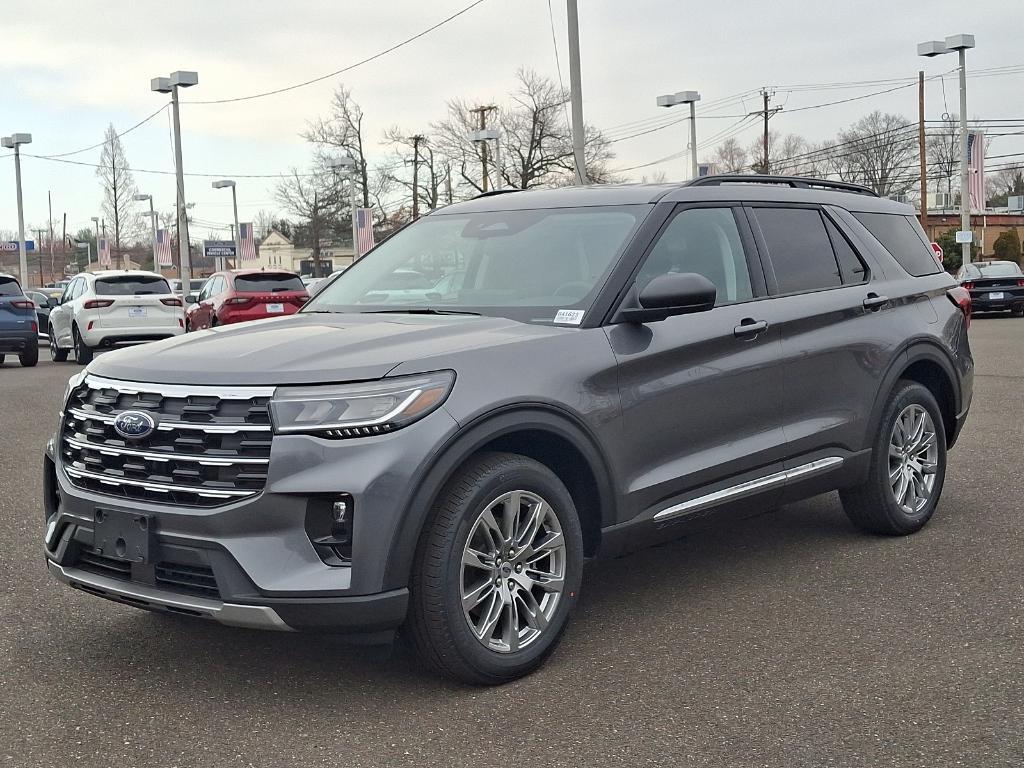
213, 249
12, 245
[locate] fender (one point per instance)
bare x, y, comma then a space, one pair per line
470, 439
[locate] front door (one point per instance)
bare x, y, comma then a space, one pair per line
701, 393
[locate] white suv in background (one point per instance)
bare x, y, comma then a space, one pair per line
99, 309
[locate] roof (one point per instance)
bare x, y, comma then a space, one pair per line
724, 188
122, 273
259, 271
8, 274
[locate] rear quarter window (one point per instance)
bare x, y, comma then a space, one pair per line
899, 235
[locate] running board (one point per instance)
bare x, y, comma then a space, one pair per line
749, 488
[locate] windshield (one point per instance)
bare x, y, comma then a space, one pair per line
131, 286
268, 283
524, 265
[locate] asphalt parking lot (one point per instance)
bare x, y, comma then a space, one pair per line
784, 640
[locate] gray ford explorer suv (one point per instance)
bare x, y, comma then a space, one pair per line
600, 367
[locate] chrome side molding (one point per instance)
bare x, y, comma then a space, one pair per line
749, 488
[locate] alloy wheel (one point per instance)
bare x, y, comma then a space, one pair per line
513, 571
913, 458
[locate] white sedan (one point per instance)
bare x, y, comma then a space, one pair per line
99, 309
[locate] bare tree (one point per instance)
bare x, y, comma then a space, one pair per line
313, 198
943, 148
264, 222
788, 154
730, 157
427, 181
882, 152
118, 189
341, 130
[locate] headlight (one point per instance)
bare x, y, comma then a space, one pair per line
73, 383
355, 410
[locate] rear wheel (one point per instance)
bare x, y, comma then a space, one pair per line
497, 571
1018, 311
2, 358
30, 356
57, 354
83, 352
908, 466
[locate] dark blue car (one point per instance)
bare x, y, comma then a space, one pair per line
19, 326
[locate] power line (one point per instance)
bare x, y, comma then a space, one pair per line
558, 63
348, 68
105, 141
171, 173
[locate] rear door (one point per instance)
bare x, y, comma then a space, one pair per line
63, 314
701, 394
135, 301
836, 325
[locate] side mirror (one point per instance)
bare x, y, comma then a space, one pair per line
51, 302
192, 299
668, 295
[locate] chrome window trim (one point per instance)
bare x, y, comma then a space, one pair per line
749, 488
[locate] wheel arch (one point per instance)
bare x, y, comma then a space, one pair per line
544, 433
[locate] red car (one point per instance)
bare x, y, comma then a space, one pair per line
245, 294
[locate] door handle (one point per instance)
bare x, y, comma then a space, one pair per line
749, 328
874, 302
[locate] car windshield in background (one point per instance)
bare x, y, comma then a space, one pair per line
268, 283
525, 265
1004, 269
9, 287
131, 286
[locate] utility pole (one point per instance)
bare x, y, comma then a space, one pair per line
766, 113
416, 175
482, 113
921, 150
39, 254
575, 91
49, 221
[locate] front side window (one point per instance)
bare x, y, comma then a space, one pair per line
799, 248
525, 264
131, 285
705, 241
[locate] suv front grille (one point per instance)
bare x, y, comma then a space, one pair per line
211, 445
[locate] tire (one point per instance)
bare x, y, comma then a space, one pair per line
873, 506
2, 358
29, 357
438, 625
1018, 311
57, 354
83, 352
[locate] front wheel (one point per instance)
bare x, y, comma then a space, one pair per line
57, 354
908, 466
497, 571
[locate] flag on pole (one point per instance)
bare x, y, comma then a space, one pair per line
163, 248
364, 231
103, 249
976, 169
245, 239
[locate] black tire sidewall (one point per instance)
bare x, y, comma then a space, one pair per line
519, 474
909, 393
29, 357
83, 353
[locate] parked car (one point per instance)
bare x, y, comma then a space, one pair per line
240, 295
619, 362
19, 327
43, 303
101, 309
318, 285
195, 285
995, 286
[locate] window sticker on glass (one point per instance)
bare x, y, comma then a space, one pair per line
569, 316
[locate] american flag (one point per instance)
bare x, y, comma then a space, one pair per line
103, 248
364, 231
163, 248
976, 169
245, 239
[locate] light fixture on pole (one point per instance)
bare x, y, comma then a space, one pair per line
490, 134
960, 44
348, 163
152, 220
79, 245
14, 141
234, 202
171, 85
691, 98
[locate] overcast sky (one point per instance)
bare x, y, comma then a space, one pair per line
68, 69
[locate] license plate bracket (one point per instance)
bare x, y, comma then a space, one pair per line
122, 535
136, 312
275, 308
996, 296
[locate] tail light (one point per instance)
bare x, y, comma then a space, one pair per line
97, 303
181, 323
962, 298
23, 304
1020, 283
173, 302
969, 286
238, 301
35, 327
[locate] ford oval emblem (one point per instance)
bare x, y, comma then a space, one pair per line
134, 425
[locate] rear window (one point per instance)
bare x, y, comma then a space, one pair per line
899, 235
1006, 269
268, 283
9, 287
131, 286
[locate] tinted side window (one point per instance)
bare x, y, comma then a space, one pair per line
799, 248
705, 241
852, 268
898, 236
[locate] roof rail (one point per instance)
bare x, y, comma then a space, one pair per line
796, 182
493, 192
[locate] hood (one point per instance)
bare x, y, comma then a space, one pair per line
309, 348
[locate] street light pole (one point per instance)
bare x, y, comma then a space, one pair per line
152, 222
96, 221
691, 98
575, 92
236, 234
14, 141
170, 85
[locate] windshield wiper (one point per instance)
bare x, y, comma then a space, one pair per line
418, 311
